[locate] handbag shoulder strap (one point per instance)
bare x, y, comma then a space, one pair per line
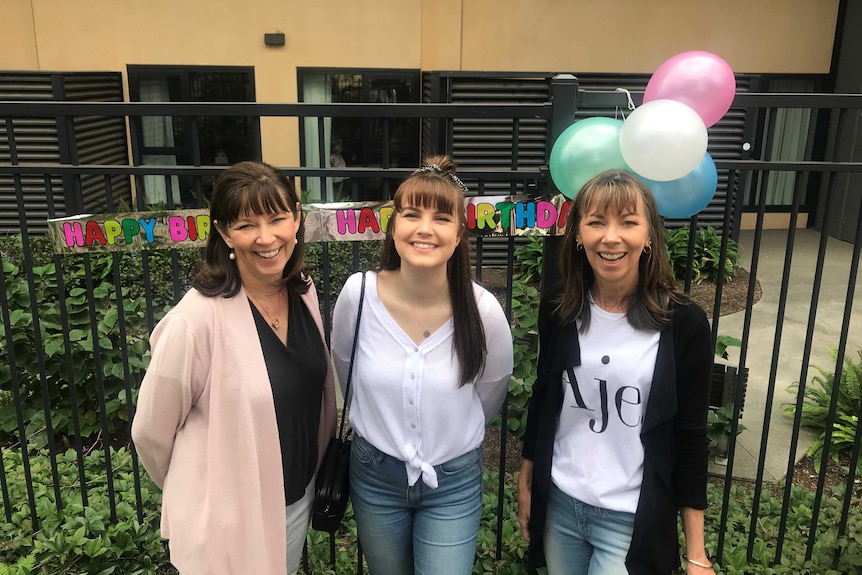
352, 357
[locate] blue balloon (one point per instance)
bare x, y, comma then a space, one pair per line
685, 196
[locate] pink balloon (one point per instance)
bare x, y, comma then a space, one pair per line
700, 80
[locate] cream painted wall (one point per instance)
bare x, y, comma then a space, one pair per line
793, 36
766, 36
17, 40
441, 34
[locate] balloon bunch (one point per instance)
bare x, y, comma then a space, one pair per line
663, 141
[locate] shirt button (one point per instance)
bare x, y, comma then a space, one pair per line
411, 402
412, 426
412, 376
415, 349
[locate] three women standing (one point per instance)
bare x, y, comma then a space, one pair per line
238, 402
432, 367
615, 445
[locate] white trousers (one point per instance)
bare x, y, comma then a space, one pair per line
298, 515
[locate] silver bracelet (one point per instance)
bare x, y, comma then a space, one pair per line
698, 563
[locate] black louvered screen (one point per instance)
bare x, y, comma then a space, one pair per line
100, 140
53, 141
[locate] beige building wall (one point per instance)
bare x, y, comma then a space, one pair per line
756, 36
17, 38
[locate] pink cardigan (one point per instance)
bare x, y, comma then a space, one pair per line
206, 432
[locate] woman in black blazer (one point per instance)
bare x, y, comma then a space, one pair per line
616, 447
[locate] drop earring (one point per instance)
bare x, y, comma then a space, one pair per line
231, 256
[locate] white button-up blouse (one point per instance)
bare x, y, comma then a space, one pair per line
405, 397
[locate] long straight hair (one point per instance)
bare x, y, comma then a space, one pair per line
242, 189
437, 187
648, 308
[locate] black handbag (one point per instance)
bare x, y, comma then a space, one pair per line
332, 488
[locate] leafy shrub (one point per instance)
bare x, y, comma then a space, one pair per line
168, 276
719, 422
80, 539
160, 265
818, 397
706, 264
341, 257
832, 555
528, 261
52, 360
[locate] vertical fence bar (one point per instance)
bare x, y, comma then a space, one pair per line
67, 352
773, 368
13, 373
10, 352
746, 329
564, 97
803, 379
37, 328
100, 388
851, 294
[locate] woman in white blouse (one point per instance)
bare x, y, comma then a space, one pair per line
432, 367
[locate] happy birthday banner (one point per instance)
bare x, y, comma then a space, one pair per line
487, 216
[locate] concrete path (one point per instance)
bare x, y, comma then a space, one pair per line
830, 313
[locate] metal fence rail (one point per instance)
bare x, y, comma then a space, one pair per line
114, 372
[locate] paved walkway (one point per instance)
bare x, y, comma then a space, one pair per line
762, 336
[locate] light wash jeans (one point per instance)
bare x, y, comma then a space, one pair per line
416, 530
581, 539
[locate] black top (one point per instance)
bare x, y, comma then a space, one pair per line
296, 373
673, 436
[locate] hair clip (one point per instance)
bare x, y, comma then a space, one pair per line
435, 168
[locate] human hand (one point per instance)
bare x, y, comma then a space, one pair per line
525, 496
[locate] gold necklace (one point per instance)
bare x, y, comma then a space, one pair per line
275, 323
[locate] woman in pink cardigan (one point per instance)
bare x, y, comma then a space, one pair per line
238, 404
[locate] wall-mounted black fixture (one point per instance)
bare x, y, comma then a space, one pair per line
276, 39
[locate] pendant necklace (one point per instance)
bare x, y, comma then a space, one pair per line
275, 322
426, 333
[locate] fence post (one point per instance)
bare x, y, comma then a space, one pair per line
564, 95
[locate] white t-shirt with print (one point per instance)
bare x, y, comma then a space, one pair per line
598, 454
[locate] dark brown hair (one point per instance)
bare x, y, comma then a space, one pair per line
242, 189
617, 191
435, 186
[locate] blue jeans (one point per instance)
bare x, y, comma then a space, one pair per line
405, 530
584, 540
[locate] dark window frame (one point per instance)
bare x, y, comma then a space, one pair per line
190, 148
414, 75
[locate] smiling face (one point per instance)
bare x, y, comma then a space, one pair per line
262, 244
613, 239
425, 236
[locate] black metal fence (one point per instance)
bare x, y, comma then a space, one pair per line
75, 327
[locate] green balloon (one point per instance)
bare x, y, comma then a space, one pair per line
583, 150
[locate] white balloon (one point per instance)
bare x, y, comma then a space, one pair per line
663, 140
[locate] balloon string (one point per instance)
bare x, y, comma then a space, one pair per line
628, 96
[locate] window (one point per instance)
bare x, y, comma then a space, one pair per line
792, 140
201, 140
357, 141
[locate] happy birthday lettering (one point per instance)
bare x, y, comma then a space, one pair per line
126, 231
482, 216
486, 215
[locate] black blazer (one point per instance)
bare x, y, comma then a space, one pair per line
673, 434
